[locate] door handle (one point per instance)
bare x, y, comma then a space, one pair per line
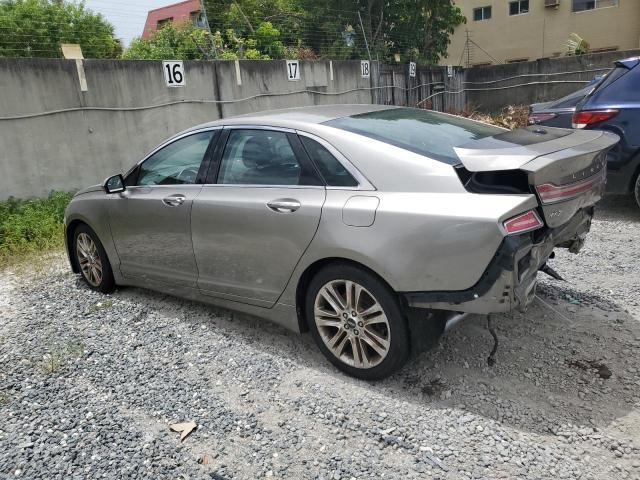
174, 200
284, 205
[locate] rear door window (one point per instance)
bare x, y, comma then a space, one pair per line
262, 157
428, 133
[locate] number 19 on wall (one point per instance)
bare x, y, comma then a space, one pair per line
173, 73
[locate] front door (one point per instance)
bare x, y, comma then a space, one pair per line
151, 220
252, 226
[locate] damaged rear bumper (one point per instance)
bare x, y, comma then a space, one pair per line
509, 282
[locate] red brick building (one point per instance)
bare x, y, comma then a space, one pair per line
187, 11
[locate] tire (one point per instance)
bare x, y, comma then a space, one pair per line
636, 190
370, 345
92, 260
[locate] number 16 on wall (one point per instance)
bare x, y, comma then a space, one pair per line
173, 73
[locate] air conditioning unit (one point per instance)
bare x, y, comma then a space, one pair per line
552, 3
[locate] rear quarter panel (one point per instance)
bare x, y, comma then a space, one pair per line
418, 241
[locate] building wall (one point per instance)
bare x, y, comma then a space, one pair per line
543, 32
178, 13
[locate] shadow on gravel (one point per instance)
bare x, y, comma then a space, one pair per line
618, 208
563, 362
548, 363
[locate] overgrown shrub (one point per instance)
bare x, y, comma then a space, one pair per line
31, 225
511, 116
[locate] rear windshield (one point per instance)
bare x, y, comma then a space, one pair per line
420, 131
610, 77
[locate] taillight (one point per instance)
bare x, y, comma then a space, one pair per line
525, 222
550, 193
540, 117
591, 117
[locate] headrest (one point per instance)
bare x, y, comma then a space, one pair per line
256, 152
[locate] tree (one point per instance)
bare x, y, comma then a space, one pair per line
187, 42
184, 41
36, 28
416, 29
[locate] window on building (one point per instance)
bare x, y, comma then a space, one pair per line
518, 7
582, 5
517, 60
482, 13
197, 19
164, 22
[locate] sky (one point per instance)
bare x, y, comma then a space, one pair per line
127, 17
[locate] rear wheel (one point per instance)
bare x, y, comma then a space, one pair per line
357, 322
637, 190
92, 260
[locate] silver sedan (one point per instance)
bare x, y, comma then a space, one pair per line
369, 226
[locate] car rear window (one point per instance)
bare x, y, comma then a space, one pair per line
613, 75
425, 132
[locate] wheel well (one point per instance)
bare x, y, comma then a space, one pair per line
71, 228
310, 272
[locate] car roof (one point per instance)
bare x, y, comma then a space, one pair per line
296, 117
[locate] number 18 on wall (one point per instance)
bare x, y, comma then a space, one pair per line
173, 73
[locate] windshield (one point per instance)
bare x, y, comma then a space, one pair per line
424, 132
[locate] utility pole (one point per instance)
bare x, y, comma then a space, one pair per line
468, 47
373, 92
203, 11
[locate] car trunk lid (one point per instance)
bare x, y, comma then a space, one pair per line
564, 168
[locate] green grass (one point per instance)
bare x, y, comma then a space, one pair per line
59, 356
29, 226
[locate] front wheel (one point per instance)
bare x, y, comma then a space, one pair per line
357, 322
637, 190
92, 260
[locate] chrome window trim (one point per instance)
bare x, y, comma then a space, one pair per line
167, 142
259, 127
363, 182
254, 185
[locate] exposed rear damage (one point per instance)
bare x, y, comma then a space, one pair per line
509, 282
567, 173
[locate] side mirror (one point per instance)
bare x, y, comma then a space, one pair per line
114, 184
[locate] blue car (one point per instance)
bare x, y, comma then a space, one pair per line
614, 105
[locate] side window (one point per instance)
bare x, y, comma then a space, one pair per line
177, 163
331, 169
262, 157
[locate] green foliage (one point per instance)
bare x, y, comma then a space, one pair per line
188, 42
417, 30
36, 28
31, 225
576, 45
184, 41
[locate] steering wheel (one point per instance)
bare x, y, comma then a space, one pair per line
187, 175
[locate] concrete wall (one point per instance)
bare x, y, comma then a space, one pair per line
492, 96
543, 31
70, 150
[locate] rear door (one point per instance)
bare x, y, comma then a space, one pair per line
151, 219
256, 216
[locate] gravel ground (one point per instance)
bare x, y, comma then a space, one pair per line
89, 384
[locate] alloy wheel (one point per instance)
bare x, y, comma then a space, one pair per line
352, 323
89, 259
